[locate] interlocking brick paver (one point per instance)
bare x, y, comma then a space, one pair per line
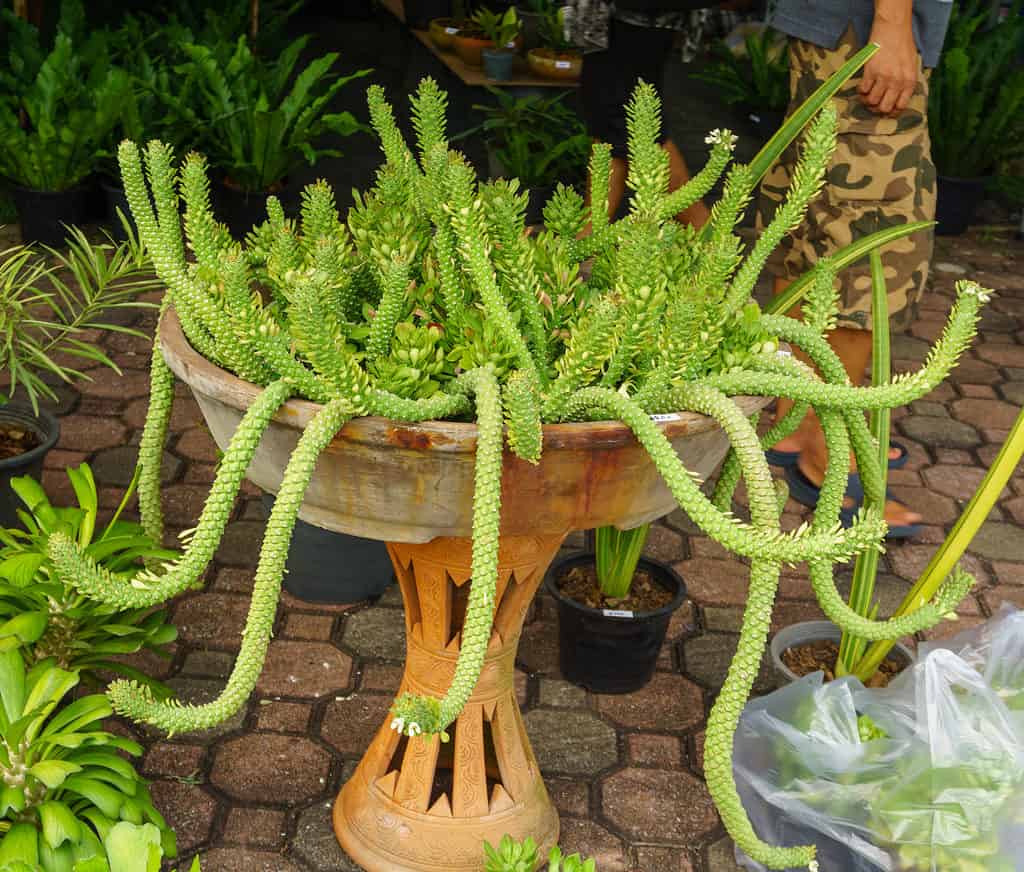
271, 768
571, 742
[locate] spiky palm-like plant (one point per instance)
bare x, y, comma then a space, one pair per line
431, 301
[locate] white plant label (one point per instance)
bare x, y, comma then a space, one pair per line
661, 419
616, 613
451, 30
563, 65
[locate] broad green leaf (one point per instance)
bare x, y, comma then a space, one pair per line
103, 796
12, 685
22, 568
27, 627
20, 843
59, 823
129, 847
33, 496
53, 772
12, 799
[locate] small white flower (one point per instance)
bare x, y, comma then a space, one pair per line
398, 725
414, 729
721, 136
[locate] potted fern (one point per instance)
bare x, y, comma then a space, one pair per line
58, 111
259, 119
975, 109
534, 419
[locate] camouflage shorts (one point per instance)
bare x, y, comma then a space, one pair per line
881, 175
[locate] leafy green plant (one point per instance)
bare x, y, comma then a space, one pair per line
260, 118
551, 29
618, 552
757, 78
44, 315
976, 99
58, 108
643, 336
43, 615
501, 28
65, 786
537, 139
513, 856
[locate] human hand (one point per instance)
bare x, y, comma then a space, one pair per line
890, 76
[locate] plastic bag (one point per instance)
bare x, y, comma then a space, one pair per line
926, 775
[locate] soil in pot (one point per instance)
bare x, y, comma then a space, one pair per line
821, 656
43, 214
25, 440
612, 646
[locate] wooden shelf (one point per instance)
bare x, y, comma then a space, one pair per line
396, 8
521, 76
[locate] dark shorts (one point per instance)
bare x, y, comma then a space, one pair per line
610, 76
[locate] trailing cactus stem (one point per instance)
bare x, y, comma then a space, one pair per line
137, 702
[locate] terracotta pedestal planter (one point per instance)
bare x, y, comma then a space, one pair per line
419, 805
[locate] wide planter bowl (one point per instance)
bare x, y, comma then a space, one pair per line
47, 431
420, 805
442, 32
956, 202
469, 46
611, 650
44, 214
498, 63
558, 65
816, 631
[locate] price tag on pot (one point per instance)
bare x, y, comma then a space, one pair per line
563, 65
451, 30
661, 419
616, 613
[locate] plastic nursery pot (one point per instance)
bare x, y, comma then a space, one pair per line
469, 46
611, 651
241, 210
116, 199
817, 631
550, 64
328, 567
43, 214
498, 63
47, 431
443, 30
957, 200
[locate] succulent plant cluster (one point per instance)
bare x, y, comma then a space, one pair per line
432, 300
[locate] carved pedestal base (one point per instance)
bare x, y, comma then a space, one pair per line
419, 805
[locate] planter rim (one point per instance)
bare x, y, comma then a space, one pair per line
451, 436
804, 631
46, 427
649, 563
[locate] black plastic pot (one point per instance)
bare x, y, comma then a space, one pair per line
529, 28
608, 651
498, 64
764, 122
117, 199
43, 214
327, 567
47, 429
242, 210
957, 201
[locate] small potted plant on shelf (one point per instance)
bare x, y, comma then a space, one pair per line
555, 58
259, 119
58, 111
471, 40
614, 607
502, 29
531, 14
46, 315
975, 109
535, 139
443, 30
753, 76
326, 338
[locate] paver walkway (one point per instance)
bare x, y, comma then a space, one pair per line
625, 771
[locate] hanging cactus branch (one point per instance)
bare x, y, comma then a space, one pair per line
430, 300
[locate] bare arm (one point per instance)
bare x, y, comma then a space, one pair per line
891, 75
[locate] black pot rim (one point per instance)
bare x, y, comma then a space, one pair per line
656, 568
47, 428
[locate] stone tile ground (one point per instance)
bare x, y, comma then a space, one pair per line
625, 771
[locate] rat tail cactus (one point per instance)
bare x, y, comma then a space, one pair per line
431, 300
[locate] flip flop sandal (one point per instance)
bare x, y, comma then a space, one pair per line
786, 459
804, 491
